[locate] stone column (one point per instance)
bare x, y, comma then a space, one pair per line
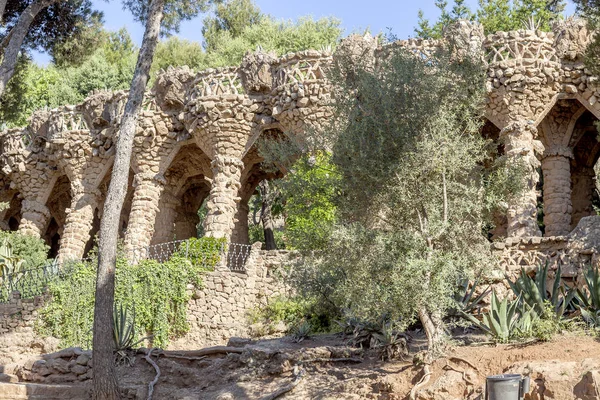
521, 147
556, 167
223, 197
164, 230
240, 231
583, 185
78, 226
144, 207
34, 218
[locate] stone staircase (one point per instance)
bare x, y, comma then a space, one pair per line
11, 389
38, 391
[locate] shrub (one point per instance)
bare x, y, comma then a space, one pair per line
291, 311
33, 251
156, 292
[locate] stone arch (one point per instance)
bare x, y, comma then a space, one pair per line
59, 200
567, 133
586, 152
187, 184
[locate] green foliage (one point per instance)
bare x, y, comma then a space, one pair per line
280, 37
494, 15
177, 52
588, 298
231, 16
506, 319
465, 302
535, 293
32, 87
301, 331
123, 329
292, 312
9, 262
549, 323
380, 334
33, 251
412, 196
156, 291
590, 9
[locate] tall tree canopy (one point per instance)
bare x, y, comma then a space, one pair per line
494, 15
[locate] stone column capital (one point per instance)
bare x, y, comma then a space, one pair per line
35, 206
560, 151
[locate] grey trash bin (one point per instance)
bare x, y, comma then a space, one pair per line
506, 387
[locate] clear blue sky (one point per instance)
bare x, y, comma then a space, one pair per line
356, 15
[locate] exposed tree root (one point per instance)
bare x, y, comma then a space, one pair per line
288, 388
470, 364
202, 352
426, 376
148, 357
324, 360
182, 357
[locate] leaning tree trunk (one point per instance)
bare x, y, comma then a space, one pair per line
105, 384
15, 37
267, 216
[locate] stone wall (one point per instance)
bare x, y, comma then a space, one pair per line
216, 312
219, 311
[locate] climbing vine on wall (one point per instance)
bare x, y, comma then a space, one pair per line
158, 292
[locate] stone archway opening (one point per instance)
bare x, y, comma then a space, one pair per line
182, 205
489, 131
568, 180
58, 202
585, 197
10, 216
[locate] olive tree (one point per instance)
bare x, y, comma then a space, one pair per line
413, 196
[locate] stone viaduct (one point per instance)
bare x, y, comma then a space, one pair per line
197, 140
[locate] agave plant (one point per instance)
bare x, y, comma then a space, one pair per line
390, 343
301, 331
535, 292
505, 319
124, 329
9, 263
588, 298
464, 300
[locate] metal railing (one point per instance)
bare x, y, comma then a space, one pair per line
34, 281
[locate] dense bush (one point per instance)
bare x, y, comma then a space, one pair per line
293, 312
33, 251
156, 292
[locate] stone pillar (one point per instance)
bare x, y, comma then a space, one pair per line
556, 167
240, 231
223, 197
34, 219
164, 228
521, 147
144, 207
78, 226
583, 184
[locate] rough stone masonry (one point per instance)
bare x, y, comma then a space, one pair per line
197, 141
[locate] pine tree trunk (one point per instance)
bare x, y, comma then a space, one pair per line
267, 217
105, 383
15, 40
